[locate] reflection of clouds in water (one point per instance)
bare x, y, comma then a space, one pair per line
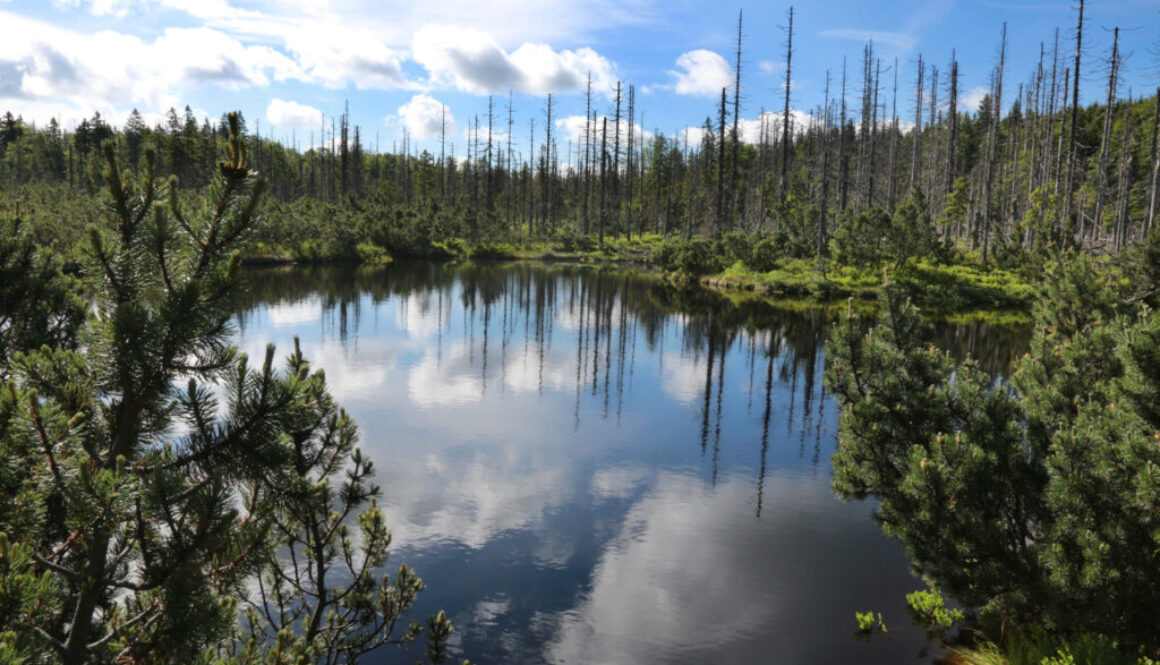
694, 577
458, 378
672, 581
431, 383
470, 500
618, 482
683, 377
351, 375
523, 373
568, 314
487, 611
418, 314
297, 313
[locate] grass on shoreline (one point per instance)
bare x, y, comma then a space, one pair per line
954, 292
947, 289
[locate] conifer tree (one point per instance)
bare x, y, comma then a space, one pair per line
41, 305
138, 504
1036, 499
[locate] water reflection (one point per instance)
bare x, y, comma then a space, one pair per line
588, 467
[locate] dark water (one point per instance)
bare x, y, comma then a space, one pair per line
586, 467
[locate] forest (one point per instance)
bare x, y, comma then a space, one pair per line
1027, 502
888, 170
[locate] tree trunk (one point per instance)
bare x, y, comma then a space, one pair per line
785, 130
1106, 138
1069, 186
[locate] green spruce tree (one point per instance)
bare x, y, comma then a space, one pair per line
141, 506
1035, 499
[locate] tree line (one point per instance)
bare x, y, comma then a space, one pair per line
1030, 168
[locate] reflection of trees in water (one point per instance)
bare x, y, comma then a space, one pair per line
513, 311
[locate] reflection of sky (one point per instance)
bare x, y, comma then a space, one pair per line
692, 577
571, 494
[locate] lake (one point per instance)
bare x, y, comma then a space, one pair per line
586, 466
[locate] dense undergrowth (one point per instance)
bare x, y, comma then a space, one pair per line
868, 251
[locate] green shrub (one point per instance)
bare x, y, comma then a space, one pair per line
1036, 499
693, 257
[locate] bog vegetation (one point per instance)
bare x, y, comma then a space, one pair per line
886, 172
148, 518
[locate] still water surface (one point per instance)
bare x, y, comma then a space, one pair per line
587, 467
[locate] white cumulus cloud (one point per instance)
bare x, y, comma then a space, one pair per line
423, 117
701, 73
292, 115
335, 55
44, 66
969, 101
471, 60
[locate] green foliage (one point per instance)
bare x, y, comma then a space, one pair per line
1145, 267
956, 205
860, 240
911, 234
568, 240
371, 254
873, 237
929, 610
760, 253
41, 303
1036, 646
1038, 499
140, 508
320, 590
693, 257
1041, 221
869, 623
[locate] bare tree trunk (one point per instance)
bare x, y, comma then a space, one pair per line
1123, 230
489, 181
785, 131
510, 165
1106, 139
736, 117
997, 115
1069, 186
874, 133
953, 133
587, 151
720, 166
1036, 109
616, 158
443, 154
1154, 187
630, 167
1050, 156
865, 127
823, 208
892, 191
843, 151
932, 127
916, 133
603, 171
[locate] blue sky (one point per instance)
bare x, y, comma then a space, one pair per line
286, 63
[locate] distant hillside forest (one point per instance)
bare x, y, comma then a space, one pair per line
1029, 170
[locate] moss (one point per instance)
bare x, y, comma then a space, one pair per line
946, 289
